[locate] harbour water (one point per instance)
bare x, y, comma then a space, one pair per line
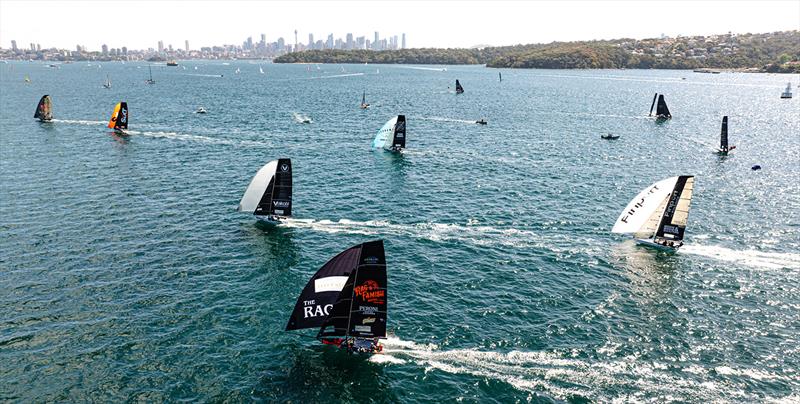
127, 274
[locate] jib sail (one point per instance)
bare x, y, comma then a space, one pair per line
270, 190
661, 208
44, 110
360, 309
321, 291
119, 118
459, 89
723, 135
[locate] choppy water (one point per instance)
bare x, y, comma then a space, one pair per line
125, 272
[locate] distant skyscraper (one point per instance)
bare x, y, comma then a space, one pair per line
105, 49
404, 41
249, 42
187, 45
349, 42
160, 46
311, 41
376, 41
329, 43
124, 50
14, 45
281, 44
295, 39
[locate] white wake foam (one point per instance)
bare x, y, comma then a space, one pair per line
197, 138
752, 258
470, 232
336, 75
565, 377
79, 122
301, 118
442, 119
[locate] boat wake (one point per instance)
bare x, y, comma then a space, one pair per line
336, 75
439, 232
203, 75
751, 258
80, 122
564, 377
300, 118
197, 138
442, 119
432, 69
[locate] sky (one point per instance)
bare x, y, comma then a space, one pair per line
447, 24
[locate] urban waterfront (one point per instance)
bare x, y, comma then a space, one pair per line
128, 275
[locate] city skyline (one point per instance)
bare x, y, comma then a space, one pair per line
435, 24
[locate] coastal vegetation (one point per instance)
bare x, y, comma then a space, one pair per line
773, 52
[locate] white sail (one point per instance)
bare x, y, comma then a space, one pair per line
643, 213
252, 196
385, 136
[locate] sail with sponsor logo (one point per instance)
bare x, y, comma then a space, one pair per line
459, 89
269, 195
357, 319
119, 118
44, 110
657, 216
724, 147
392, 136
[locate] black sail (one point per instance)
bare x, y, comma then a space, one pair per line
661, 109
277, 199
122, 117
43, 109
459, 89
673, 220
360, 309
723, 135
317, 298
653, 104
399, 139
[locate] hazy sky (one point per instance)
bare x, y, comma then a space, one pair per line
140, 24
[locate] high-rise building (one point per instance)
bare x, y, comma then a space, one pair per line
187, 45
281, 44
38, 47
311, 41
376, 41
14, 45
329, 42
124, 50
295, 39
349, 42
404, 41
160, 46
105, 49
249, 43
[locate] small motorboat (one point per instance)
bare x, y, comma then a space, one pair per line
200, 110
609, 137
481, 122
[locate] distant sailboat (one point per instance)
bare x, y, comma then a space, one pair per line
107, 84
44, 110
788, 92
119, 118
657, 216
150, 80
347, 300
662, 112
724, 148
269, 195
501, 75
459, 89
260, 70
27, 78
392, 135
237, 71
364, 104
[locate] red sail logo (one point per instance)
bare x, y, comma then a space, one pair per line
370, 291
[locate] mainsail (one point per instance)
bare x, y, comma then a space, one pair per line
392, 136
270, 191
661, 108
723, 135
459, 89
360, 309
665, 203
44, 110
119, 118
653, 104
364, 98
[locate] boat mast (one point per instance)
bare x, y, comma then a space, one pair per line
353, 293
